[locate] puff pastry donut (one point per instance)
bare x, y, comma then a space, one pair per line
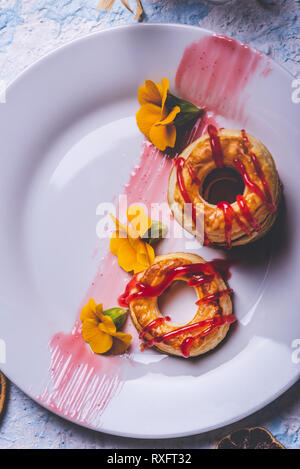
252, 212
213, 315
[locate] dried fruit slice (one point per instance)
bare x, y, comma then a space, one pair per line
250, 438
2, 391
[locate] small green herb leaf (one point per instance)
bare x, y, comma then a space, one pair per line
157, 231
118, 315
188, 111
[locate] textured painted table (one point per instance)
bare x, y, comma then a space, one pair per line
31, 28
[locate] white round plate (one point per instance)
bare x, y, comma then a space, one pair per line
68, 143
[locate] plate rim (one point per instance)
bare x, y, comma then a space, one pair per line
109, 29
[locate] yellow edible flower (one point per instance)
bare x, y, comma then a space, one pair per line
100, 332
153, 118
125, 243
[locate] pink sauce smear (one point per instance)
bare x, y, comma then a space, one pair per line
213, 72
82, 383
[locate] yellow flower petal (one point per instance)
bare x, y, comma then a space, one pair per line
126, 338
132, 234
121, 342
107, 325
133, 253
163, 136
145, 254
151, 253
138, 218
100, 332
101, 342
116, 244
154, 114
121, 228
89, 311
126, 257
164, 91
90, 329
136, 267
98, 310
147, 116
170, 118
149, 93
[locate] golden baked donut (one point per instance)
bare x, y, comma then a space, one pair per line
213, 315
230, 180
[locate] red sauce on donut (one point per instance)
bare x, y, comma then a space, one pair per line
198, 280
229, 213
156, 322
245, 137
222, 266
193, 175
266, 197
181, 330
215, 322
179, 162
218, 321
148, 291
215, 296
216, 147
122, 300
199, 273
247, 214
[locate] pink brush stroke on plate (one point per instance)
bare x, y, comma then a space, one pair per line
82, 383
215, 73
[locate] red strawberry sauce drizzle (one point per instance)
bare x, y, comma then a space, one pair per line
247, 214
215, 322
156, 322
228, 211
215, 296
252, 185
267, 193
123, 299
147, 291
179, 162
193, 175
212, 324
199, 274
216, 148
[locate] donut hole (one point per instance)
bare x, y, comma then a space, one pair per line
178, 302
222, 185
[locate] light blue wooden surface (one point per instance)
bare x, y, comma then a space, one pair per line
31, 28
